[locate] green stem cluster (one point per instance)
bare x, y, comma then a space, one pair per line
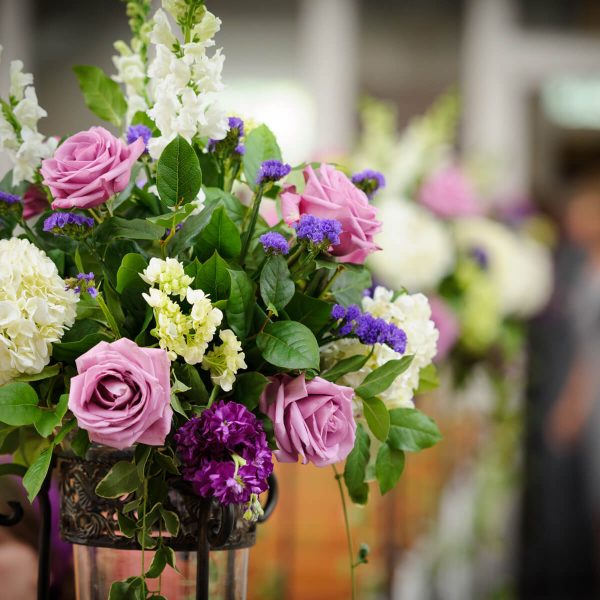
351, 564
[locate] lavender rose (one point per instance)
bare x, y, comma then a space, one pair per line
122, 394
312, 419
331, 195
89, 168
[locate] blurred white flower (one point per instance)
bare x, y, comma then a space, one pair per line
18, 80
35, 308
417, 250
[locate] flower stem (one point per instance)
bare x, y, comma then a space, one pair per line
254, 217
351, 564
144, 528
108, 315
339, 270
213, 396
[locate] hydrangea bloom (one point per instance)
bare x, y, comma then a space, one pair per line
411, 314
225, 361
169, 275
35, 308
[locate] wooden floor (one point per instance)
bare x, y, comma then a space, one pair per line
302, 552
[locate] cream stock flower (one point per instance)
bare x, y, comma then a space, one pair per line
225, 361
169, 275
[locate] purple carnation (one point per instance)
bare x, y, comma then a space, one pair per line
139, 131
318, 231
369, 181
274, 243
69, 224
271, 171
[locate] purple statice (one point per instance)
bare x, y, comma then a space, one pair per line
231, 143
225, 453
369, 181
7, 198
274, 243
139, 131
480, 256
319, 232
68, 224
271, 171
236, 127
338, 312
83, 282
10, 204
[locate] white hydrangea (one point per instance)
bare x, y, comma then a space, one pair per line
24, 145
225, 361
520, 267
410, 312
417, 250
35, 308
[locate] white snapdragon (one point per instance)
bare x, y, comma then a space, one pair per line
18, 80
35, 308
225, 361
417, 250
131, 72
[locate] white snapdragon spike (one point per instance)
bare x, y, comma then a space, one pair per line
417, 250
225, 361
131, 72
410, 312
35, 308
18, 80
184, 80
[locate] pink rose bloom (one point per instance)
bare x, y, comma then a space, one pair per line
312, 419
331, 195
35, 202
122, 394
90, 167
448, 193
447, 324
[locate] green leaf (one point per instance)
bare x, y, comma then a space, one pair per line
173, 218
36, 473
428, 379
128, 275
166, 463
260, 145
412, 430
381, 378
126, 525
122, 479
214, 279
159, 562
289, 345
129, 229
171, 520
240, 305
235, 209
356, 467
45, 373
178, 174
276, 286
50, 419
312, 312
388, 467
350, 284
18, 404
248, 389
188, 374
102, 95
221, 234
377, 416
80, 442
345, 366
133, 588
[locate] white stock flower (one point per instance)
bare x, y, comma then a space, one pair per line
410, 312
35, 308
169, 275
225, 361
417, 251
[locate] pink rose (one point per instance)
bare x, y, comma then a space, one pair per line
331, 195
90, 167
312, 419
447, 324
448, 193
35, 202
122, 394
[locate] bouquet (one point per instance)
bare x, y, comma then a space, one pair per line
144, 305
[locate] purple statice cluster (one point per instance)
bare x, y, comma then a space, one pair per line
68, 224
480, 256
225, 454
367, 328
274, 243
271, 171
369, 181
319, 232
232, 142
10, 203
139, 131
84, 282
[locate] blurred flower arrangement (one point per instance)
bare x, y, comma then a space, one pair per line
484, 264
143, 304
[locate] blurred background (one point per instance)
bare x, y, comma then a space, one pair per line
464, 523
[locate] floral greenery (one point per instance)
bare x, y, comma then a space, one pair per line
158, 254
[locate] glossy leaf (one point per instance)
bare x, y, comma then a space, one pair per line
289, 345
377, 416
220, 235
345, 366
388, 467
213, 277
412, 430
102, 95
36, 473
18, 404
356, 467
381, 378
240, 305
276, 286
123, 478
178, 174
260, 145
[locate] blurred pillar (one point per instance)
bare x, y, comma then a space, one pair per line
16, 25
328, 50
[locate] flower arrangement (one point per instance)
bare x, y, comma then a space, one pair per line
486, 269
143, 304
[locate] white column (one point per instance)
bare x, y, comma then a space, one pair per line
328, 50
